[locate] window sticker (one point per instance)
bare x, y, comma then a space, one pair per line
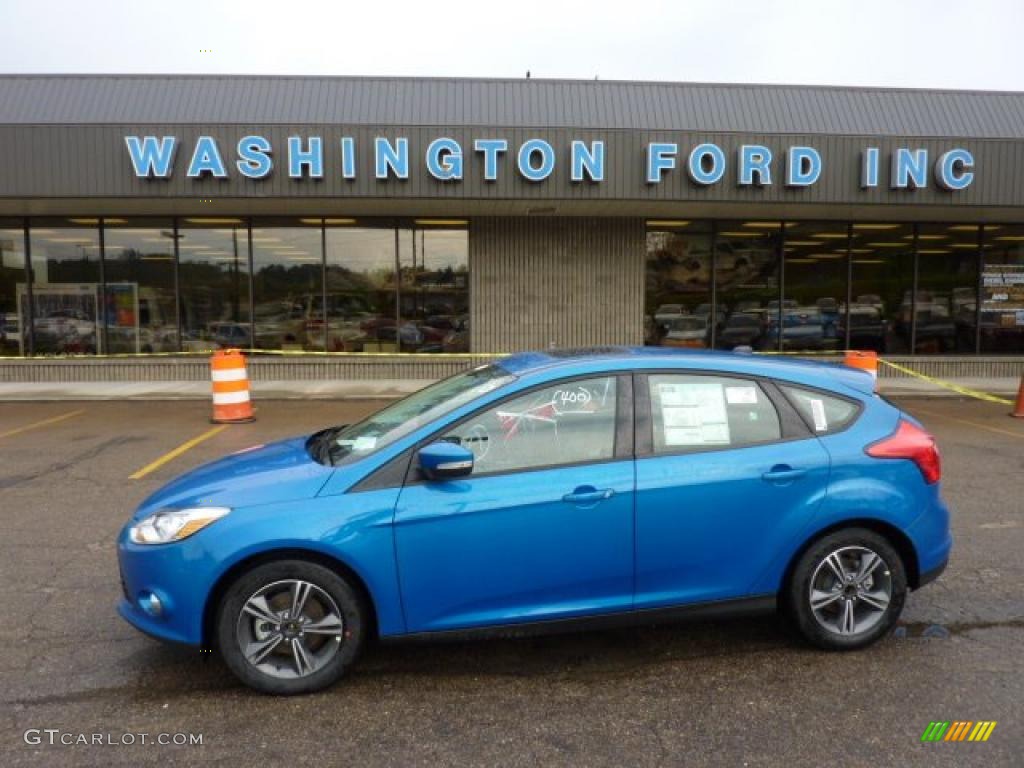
693, 413
818, 415
741, 395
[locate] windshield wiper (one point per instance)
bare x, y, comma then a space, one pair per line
321, 444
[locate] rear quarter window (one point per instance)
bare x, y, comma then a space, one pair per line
823, 413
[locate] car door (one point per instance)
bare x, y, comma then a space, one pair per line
541, 529
727, 473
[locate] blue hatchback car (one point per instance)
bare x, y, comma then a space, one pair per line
543, 491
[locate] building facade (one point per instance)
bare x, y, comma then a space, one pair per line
160, 214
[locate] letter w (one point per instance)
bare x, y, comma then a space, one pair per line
151, 157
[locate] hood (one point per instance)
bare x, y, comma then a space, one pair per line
265, 474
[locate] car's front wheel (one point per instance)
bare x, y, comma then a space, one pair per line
290, 627
847, 590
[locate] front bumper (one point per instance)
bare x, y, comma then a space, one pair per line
179, 575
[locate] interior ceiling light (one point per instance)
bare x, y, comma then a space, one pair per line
670, 223
444, 222
213, 221
876, 226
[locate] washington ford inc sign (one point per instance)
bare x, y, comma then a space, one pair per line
445, 159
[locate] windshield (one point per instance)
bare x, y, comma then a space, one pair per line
350, 443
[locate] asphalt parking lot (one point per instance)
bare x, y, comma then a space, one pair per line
726, 693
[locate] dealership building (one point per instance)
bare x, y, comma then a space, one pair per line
393, 220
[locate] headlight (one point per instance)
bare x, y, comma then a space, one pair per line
169, 525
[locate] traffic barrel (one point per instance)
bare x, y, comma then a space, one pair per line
231, 402
1018, 408
864, 360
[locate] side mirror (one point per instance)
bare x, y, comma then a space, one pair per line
444, 460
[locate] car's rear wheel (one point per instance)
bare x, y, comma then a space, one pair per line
847, 590
290, 627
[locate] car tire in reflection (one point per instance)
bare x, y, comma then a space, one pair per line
290, 627
847, 590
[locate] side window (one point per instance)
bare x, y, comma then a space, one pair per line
825, 413
566, 423
693, 413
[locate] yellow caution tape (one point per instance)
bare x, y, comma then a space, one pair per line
967, 391
259, 352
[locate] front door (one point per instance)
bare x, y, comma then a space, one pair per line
542, 528
723, 484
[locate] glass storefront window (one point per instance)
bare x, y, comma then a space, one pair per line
213, 269
677, 307
288, 284
66, 286
139, 273
1002, 296
13, 325
747, 274
882, 266
434, 288
361, 287
947, 283
814, 301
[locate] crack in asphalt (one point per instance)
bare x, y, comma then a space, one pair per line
14, 481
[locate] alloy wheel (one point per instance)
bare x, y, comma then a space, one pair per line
289, 629
850, 591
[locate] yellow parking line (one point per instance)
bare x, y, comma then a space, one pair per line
186, 446
975, 424
43, 423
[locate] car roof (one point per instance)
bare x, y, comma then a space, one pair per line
584, 360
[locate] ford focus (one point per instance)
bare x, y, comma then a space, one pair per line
548, 491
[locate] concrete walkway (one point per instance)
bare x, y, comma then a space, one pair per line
374, 389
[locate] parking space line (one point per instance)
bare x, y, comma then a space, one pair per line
975, 424
186, 446
43, 423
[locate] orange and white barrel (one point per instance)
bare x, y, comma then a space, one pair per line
231, 401
864, 360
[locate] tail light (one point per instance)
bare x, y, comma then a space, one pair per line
910, 442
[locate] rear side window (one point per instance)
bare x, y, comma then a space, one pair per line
824, 414
694, 413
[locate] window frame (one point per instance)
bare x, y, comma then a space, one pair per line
857, 404
385, 476
791, 424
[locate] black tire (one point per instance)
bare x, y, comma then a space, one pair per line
349, 641
891, 573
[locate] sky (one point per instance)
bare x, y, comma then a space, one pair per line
971, 44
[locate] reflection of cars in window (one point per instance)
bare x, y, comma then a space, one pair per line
741, 329
802, 328
667, 312
687, 331
868, 329
549, 487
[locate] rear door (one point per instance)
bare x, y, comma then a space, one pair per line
727, 473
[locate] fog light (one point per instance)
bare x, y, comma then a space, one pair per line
151, 604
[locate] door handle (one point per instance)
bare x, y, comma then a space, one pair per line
588, 494
783, 473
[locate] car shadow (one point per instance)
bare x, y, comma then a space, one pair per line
606, 652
